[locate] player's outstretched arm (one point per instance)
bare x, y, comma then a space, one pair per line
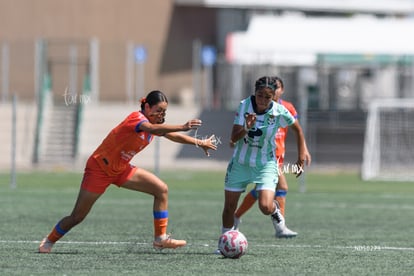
206, 144
162, 129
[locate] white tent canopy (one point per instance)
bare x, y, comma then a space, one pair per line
367, 6
296, 40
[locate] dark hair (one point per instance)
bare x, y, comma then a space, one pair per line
264, 82
154, 97
277, 79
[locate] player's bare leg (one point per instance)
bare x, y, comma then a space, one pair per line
149, 183
82, 207
230, 204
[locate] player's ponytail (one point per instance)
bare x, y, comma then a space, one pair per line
278, 82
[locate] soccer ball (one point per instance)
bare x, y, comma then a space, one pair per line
232, 244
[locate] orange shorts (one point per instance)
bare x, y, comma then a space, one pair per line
280, 159
95, 180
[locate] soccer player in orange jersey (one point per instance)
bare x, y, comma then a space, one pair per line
282, 186
110, 164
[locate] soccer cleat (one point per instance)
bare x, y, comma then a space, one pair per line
168, 243
45, 246
279, 224
217, 252
285, 233
236, 223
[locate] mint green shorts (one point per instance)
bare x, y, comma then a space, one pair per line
238, 176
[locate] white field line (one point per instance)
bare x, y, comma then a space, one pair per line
354, 247
339, 205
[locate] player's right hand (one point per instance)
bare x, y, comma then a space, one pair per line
192, 124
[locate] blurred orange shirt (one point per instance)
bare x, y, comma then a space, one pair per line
282, 133
122, 144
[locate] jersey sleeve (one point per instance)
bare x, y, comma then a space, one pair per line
289, 106
287, 118
139, 124
239, 116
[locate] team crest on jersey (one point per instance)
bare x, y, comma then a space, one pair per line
271, 120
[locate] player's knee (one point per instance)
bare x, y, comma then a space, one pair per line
162, 192
282, 186
266, 209
164, 189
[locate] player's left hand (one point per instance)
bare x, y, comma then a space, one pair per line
300, 167
304, 159
209, 144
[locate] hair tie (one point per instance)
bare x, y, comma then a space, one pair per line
143, 100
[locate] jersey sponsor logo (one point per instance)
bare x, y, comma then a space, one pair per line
128, 155
252, 134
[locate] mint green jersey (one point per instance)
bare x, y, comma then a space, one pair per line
258, 146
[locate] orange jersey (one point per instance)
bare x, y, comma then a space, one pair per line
122, 144
282, 132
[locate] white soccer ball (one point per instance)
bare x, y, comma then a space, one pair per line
232, 244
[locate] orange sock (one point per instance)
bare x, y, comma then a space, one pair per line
56, 234
247, 203
160, 223
281, 199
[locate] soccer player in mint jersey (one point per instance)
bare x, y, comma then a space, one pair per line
255, 125
110, 164
282, 185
